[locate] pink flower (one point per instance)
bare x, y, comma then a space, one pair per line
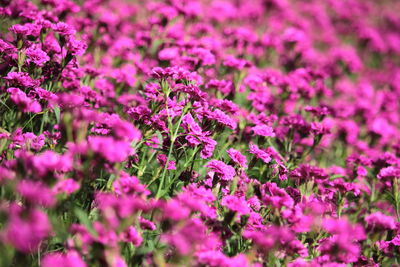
25, 103
132, 235
70, 259
67, 186
208, 147
378, 220
236, 204
36, 193
191, 125
162, 159
175, 210
21, 79
64, 29
236, 63
389, 173
218, 259
223, 171
28, 140
168, 53
198, 199
76, 47
269, 238
146, 224
396, 240
237, 157
49, 162
221, 118
25, 230
342, 246
36, 56
127, 184
263, 130
109, 148
223, 86
122, 129
275, 196
204, 56
186, 237
260, 154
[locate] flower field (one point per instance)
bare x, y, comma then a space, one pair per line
201, 133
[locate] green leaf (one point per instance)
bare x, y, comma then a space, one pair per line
84, 219
57, 113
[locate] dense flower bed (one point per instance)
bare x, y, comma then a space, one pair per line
199, 133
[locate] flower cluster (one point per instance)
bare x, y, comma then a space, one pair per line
199, 133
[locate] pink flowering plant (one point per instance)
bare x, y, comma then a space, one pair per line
199, 133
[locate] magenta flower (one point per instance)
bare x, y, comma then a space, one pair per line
223, 171
185, 238
168, 53
263, 130
236, 204
70, 259
76, 47
217, 258
146, 224
342, 244
48, 162
36, 56
269, 237
191, 125
208, 147
162, 159
236, 63
64, 29
389, 173
67, 186
21, 79
36, 193
23, 102
25, 230
378, 220
237, 157
223, 86
110, 149
131, 235
174, 210
275, 196
260, 154
220, 117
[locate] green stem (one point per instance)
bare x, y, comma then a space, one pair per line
174, 135
396, 197
165, 168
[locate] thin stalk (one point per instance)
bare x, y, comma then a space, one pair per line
173, 139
